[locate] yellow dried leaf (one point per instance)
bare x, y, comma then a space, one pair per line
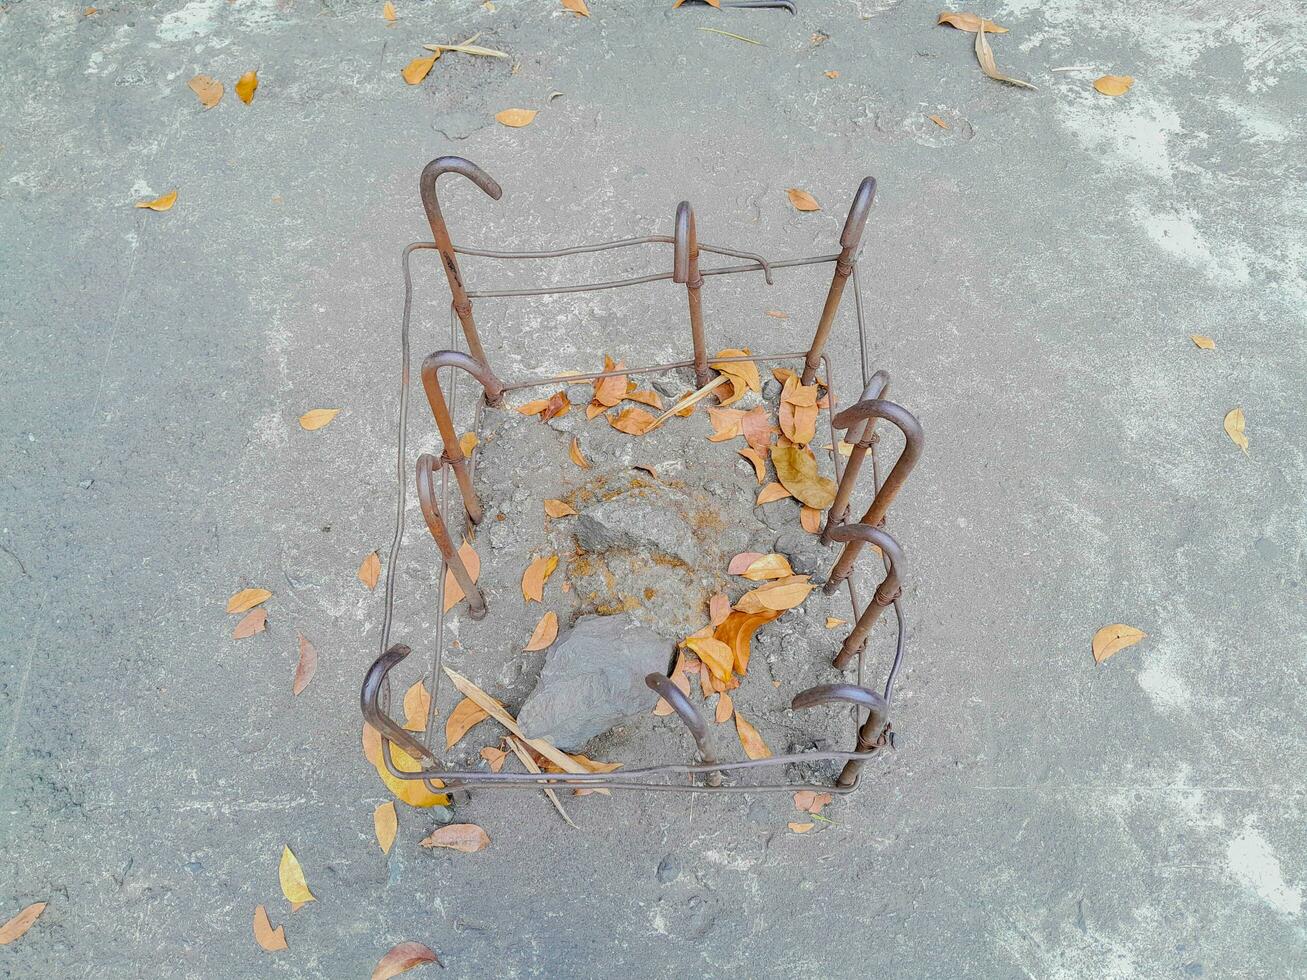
714, 653
467, 442
305, 668
832, 622
20, 923
746, 371
800, 828
968, 22
737, 630
545, 633
268, 938
574, 452
633, 421
577, 7
1113, 639
207, 90
466, 715
725, 708
516, 118
1113, 84
161, 203
798, 422
559, 508
370, 570
388, 11
385, 822
465, 837
254, 621
247, 599
535, 577
831, 74
810, 519
454, 591
1205, 343
402, 958
417, 706
802, 200
315, 419
797, 472
985, 57
293, 885
245, 86
772, 491
768, 567
938, 121
759, 465
418, 68
1234, 426
414, 792
754, 746
780, 595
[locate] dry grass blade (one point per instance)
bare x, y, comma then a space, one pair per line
691, 399
736, 37
525, 758
465, 48
985, 56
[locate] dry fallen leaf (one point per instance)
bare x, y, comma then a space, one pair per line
545, 633
633, 421
645, 397
1113, 84
417, 707
245, 86
797, 472
472, 561
534, 407
465, 837
968, 22
714, 653
800, 828
466, 715
759, 465
467, 442
757, 428
681, 680
385, 822
938, 121
494, 757
370, 570
559, 508
291, 874
161, 203
414, 792
1234, 426
516, 118
267, 937
1113, 639
612, 389
832, 622
737, 630
402, 958
802, 200
418, 68
772, 491
719, 607
388, 11
1205, 343
754, 746
577, 7
831, 74
780, 595
742, 561
768, 567
810, 519
557, 404
574, 452
254, 621
247, 599
745, 372
207, 90
726, 423
315, 419
810, 801
725, 708
306, 667
536, 575
20, 923
985, 57
778, 315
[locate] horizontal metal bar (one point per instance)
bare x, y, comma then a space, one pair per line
652, 369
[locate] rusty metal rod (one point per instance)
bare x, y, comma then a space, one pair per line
453, 452
662, 685
426, 482
555, 253
886, 593
685, 269
914, 441
849, 240
861, 440
868, 733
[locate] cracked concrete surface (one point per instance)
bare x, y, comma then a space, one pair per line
1032, 274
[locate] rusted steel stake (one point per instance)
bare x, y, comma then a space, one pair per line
440, 233
453, 452
662, 685
862, 439
914, 441
886, 592
685, 269
426, 478
849, 240
868, 732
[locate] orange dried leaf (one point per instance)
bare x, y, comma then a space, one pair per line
414, 792
516, 118
535, 577
783, 375
370, 570
759, 465
388, 11
268, 938
800, 828
577, 7
780, 595
726, 423
768, 567
757, 428
467, 442
254, 621
737, 630
745, 371
161, 203
810, 518
291, 875
418, 69
754, 746
938, 121
719, 607
385, 822
417, 706
1204, 343
810, 801
545, 633
315, 419
558, 404
612, 389
466, 714
207, 90
646, 397
681, 679
534, 407
714, 653
1113, 85
574, 451
465, 837
472, 561
247, 599
494, 757
559, 508
306, 667
802, 200
725, 708
633, 421
1113, 639
832, 622
402, 958
797, 472
772, 491
832, 74
968, 22
742, 561
20, 923
777, 315
245, 86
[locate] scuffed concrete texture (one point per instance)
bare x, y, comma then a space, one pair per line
1031, 275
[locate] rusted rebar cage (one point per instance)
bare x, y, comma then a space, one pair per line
705, 772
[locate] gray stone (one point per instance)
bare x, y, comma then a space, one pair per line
593, 680
651, 521
771, 389
806, 554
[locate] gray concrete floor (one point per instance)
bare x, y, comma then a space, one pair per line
1032, 274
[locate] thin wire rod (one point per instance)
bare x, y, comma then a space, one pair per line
619, 243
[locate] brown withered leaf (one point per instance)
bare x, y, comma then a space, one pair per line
780, 595
535, 577
465, 837
810, 519
754, 746
268, 938
1113, 85
985, 57
163, 202
1204, 343
246, 85
1113, 639
832, 74
938, 121
725, 708
557, 404
810, 801
759, 464
545, 633
797, 472
832, 622
466, 715
418, 68
247, 599
632, 421
417, 706
719, 607
714, 653
574, 452
254, 621
800, 828
745, 371
680, 678
467, 442
737, 630
402, 958
533, 407
559, 508
968, 22
388, 11
370, 570
726, 422
306, 667
778, 315
757, 428
611, 390
1234, 428
316, 418
207, 90
768, 567
454, 591
802, 200
783, 374
646, 397
20, 923
385, 823
772, 491
577, 7
742, 561
494, 757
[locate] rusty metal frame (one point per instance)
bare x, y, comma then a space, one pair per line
708, 773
